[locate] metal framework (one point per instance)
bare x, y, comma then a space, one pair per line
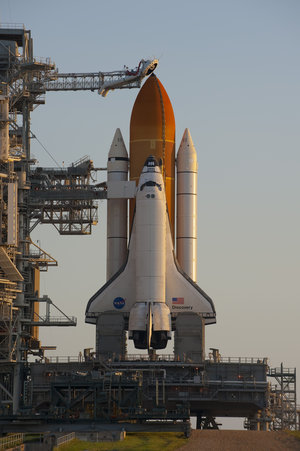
283, 398
64, 197
103, 82
136, 391
141, 391
89, 81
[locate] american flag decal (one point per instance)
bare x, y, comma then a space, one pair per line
177, 301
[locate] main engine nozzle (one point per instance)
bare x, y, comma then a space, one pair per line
150, 325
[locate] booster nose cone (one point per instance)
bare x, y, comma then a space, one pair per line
117, 149
152, 132
187, 156
117, 155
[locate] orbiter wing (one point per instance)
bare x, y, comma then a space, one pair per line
182, 293
118, 294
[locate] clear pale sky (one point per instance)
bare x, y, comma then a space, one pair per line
231, 69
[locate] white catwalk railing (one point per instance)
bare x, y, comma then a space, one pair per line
12, 25
11, 441
65, 439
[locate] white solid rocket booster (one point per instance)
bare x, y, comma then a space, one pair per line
187, 206
117, 170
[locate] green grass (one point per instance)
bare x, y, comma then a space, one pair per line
143, 441
295, 434
33, 437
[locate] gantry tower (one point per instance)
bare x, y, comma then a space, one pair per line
29, 195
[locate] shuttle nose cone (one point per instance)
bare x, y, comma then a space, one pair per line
151, 162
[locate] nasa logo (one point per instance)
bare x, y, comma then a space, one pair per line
119, 303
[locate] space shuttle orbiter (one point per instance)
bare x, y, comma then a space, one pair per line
148, 284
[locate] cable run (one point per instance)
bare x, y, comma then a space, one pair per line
52, 158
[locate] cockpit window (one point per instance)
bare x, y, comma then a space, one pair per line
150, 183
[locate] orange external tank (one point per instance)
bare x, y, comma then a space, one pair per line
152, 132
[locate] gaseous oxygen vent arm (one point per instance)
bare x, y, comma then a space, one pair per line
100, 81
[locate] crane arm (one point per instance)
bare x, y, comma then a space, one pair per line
100, 81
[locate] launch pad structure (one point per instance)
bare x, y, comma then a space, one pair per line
93, 392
